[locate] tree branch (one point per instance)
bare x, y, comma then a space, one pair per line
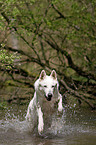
70, 61
79, 96
56, 9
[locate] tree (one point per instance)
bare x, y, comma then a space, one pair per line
55, 34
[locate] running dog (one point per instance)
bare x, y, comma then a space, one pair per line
46, 100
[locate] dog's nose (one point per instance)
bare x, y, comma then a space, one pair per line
49, 95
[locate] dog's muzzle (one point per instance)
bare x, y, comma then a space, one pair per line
49, 97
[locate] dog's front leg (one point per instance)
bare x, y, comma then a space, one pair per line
60, 107
40, 120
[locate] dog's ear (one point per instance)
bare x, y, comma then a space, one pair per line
42, 75
53, 74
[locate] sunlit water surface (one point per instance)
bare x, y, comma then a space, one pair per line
74, 127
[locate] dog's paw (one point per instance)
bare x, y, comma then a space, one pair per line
60, 108
40, 128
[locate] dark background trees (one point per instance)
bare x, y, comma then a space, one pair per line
50, 34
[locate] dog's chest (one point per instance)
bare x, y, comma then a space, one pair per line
49, 107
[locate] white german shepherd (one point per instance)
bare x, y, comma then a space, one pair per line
44, 102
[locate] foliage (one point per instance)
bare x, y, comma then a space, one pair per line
3, 105
54, 34
7, 59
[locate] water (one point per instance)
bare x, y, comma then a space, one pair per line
75, 127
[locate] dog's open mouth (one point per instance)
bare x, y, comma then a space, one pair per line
48, 98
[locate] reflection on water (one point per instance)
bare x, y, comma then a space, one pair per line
75, 127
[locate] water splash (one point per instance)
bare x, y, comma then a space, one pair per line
71, 122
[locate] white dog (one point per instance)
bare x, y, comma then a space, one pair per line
44, 101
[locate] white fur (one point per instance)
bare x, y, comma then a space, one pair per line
40, 120
46, 92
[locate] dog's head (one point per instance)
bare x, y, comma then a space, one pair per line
48, 84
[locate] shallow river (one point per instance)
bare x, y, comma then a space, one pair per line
76, 127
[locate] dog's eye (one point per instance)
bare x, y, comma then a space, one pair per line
53, 86
45, 86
